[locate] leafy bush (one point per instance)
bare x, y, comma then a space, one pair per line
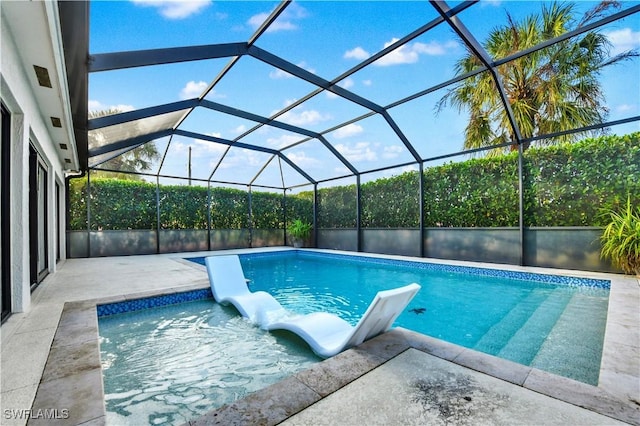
183, 207
479, 192
267, 210
337, 207
229, 208
568, 185
126, 204
564, 185
299, 229
299, 206
113, 203
392, 202
621, 239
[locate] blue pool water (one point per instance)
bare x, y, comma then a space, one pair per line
549, 322
176, 362
189, 355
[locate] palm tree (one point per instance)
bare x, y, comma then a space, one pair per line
550, 90
139, 159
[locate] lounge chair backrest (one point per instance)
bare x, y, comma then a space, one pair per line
382, 312
226, 276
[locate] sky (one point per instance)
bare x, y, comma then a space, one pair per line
325, 38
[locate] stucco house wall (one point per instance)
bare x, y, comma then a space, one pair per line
31, 36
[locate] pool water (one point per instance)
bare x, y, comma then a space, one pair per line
555, 327
171, 364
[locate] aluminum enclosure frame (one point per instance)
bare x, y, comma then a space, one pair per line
74, 23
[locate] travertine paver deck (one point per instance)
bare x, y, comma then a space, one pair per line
71, 376
420, 389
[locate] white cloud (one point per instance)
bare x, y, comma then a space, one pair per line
303, 117
283, 141
215, 95
494, 3
123, 107
392, 151
236, 158
348, 131
94, 105
240, 158
347, 83
175, 9
405, 54
193, 89
240, 129
202, 148
357, 53
360, 151
256, 20
179, 146
410, 53
434, 48
278, 74
199, 147
623, 40
367, 82
625, 108
285, 22
301, 159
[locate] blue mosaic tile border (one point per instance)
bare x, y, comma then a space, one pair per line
152, 302
498, 273
516, 275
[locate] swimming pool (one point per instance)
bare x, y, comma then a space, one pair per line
555, 323
562, 318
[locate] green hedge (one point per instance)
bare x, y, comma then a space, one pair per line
114, 203
337, 207
564, 185
570, 185
392, 202
479, 192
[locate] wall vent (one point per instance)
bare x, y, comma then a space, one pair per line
43, 76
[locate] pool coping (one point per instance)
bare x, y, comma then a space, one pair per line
73, 373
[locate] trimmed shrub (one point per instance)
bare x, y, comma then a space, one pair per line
564, 185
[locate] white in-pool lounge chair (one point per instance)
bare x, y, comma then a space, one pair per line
229, 285
328, 334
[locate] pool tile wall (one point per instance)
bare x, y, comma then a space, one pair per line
152, 302
517, 275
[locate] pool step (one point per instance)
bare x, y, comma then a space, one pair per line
500, 333
573, 338
526, 342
